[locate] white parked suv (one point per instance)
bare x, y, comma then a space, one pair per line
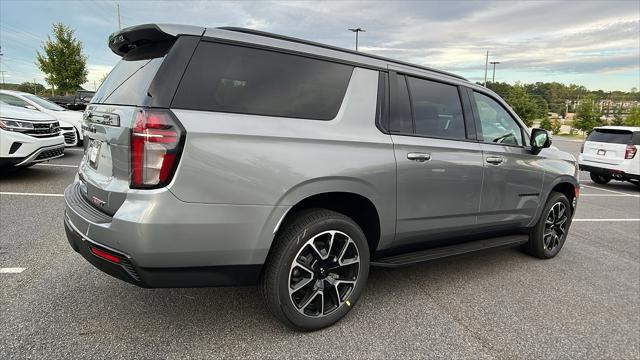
28, 137
70, 121
611, 152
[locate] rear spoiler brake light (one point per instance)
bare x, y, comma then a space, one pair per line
127, 39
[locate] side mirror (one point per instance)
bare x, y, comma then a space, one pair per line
540, 139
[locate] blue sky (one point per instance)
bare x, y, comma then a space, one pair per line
590, 43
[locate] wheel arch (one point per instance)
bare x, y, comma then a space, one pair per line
353, 205
563, 184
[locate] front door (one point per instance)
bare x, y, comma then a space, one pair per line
512, 174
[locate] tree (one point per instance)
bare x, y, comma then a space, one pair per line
587, 114
617, 117
501, 88
546, 124
62, 60
524, 105
633, 119
30, 87
556, 126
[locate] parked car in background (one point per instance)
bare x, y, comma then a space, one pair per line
228, 156
28, 137
78, 101
611, 153
70, 121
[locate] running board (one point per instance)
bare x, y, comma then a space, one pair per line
406, 259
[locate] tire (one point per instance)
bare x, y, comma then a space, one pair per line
599, 178
325, 292
548, 236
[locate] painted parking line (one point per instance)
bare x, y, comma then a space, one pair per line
29, 194
13, 270
611, 195
603, 189
59, 165
605, 220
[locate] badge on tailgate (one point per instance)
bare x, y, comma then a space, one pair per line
602, 152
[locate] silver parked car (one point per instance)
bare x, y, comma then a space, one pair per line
228, 156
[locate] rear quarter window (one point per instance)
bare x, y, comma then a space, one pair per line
236, 79
611, 136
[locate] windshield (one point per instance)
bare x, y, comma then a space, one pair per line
44, 103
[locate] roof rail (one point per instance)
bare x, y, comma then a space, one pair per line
313, 43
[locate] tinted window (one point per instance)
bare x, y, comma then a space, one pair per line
437, 110
498, 126
12, 100
611, 136
382, 107
237, 79
128, 82
400, 106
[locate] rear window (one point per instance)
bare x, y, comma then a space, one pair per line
611, 136
437, 110
128, 82
236, 79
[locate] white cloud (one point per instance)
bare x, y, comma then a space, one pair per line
545, 39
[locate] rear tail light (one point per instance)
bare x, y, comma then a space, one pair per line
630, 152
156, 144
582, 148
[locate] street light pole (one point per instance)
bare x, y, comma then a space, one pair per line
486, 65
118, 12
357, 30
2, 71
494, 70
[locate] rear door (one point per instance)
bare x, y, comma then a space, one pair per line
439, 161
607, 146
513, 175
145, 78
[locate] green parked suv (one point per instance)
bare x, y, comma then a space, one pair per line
228, 156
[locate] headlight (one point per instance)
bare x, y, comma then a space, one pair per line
15, 125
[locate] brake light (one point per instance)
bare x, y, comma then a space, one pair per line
630, 152
156, 143
105, 255
582, 148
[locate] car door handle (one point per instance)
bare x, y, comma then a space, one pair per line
419, 157
495, 160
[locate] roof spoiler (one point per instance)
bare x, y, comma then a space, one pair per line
127, 39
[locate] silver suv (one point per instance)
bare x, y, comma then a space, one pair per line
228, 156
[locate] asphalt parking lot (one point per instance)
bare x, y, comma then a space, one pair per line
585, 303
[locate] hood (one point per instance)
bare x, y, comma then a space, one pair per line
18, 113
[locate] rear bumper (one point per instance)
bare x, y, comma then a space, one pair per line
127, 270
616, 174
170, 243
